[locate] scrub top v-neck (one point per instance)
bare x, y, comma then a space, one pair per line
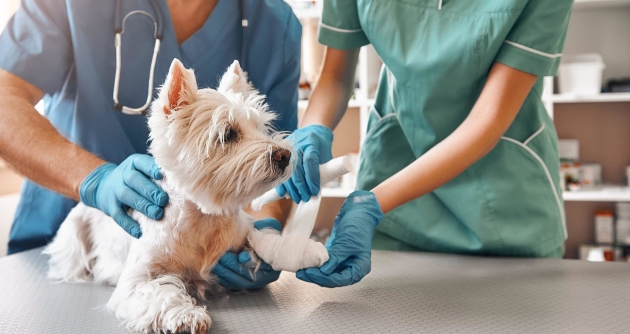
209, 37
437, 55
66, 49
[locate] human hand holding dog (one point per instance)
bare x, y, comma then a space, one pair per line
113, 188
313, 146
233, 269
350, 244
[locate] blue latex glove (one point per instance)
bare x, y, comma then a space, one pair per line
350, 244
313, 146
114, 188
233, 269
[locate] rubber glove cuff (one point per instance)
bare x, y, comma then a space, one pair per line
321, 130
89, 186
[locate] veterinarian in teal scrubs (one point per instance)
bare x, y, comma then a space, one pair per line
64, 51
460, 154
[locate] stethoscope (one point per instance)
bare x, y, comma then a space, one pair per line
119, 29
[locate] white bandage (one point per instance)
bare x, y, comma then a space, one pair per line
327, 172
294, 250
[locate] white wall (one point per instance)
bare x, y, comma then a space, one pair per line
7, 8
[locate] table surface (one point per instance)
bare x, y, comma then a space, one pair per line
405, 293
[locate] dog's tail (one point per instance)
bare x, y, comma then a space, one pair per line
70, 252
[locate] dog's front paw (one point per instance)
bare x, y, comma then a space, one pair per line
195, 321
287, 252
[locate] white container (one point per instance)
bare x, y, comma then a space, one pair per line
590, 175
623, 210
569, 150
581, 74
623, 231
604, 227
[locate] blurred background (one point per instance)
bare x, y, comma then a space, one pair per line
589, 102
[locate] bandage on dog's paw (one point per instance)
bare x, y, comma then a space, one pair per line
287, 252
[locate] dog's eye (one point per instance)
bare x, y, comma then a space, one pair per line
230, 135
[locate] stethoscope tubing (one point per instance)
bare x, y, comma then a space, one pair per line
119, 28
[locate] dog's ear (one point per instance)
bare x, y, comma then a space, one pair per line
235, 79
180, 88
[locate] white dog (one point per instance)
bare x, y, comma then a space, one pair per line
217, 154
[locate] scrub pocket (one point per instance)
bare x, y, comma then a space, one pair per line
521, 181
385, 150
422, 224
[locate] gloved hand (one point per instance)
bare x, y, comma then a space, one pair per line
114, 188
313, 146
233, 269
350, 244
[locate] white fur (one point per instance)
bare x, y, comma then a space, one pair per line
209, 179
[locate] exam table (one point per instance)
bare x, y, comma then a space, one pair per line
405, 293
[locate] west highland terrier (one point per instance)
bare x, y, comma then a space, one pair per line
217, 154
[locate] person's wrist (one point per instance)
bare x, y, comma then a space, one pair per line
320, 130
370, 204
90, 184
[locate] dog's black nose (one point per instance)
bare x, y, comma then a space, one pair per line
281, 158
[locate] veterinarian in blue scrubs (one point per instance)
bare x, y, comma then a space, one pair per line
64, 51
460, 155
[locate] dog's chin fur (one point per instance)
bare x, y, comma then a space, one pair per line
187, 141
215, 149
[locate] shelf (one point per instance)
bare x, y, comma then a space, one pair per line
583, 4
302, 104
604, 194
311, 13
603, 97
336, 192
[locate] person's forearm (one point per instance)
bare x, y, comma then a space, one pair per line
329, 100
499, 103
31, 146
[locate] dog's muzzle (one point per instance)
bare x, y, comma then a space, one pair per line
281, 158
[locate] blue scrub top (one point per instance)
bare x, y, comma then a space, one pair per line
66, 49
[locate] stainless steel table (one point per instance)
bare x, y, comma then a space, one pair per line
405, 293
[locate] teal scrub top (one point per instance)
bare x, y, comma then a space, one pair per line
66, 49
437, 55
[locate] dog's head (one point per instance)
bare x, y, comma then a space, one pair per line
217, 146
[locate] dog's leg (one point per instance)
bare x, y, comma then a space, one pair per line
70, 252
111, 248
156, 303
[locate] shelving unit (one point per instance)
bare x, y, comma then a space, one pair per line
603, 194
604, 97
596, 26
599, 122
589, 4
